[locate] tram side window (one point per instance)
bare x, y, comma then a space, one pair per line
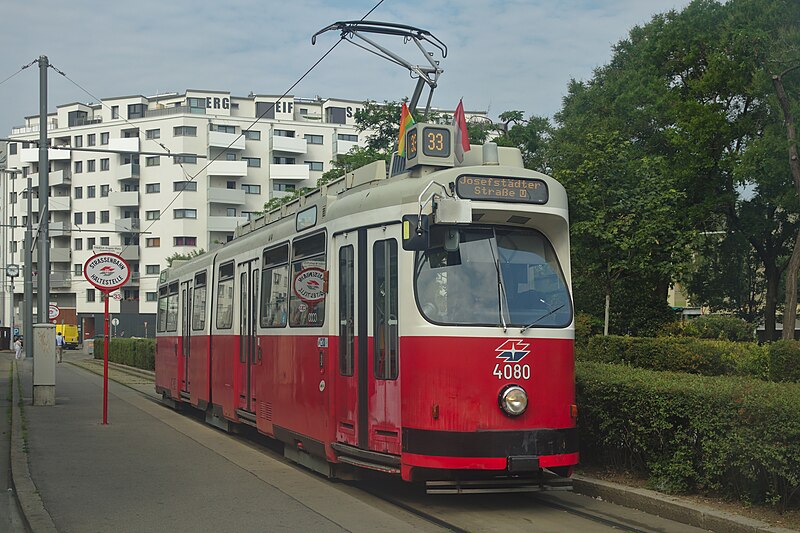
346, 310
225, 296
275, 287
307, 298
172, 307
384, 297
199, 302
162, 309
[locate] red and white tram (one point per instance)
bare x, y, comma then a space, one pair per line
419, 323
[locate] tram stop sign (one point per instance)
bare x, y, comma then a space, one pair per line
107, 271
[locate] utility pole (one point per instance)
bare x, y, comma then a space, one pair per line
28, 271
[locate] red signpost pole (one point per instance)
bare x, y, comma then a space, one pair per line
105, 363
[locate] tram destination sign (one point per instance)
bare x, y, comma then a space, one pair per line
107, 271
502, 189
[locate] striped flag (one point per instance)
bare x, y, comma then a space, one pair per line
406, 121
462, 136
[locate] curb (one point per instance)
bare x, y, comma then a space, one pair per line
671, 507
30, 502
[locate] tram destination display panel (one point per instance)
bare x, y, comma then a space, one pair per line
502, 189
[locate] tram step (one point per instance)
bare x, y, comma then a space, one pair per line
185, 395
246, 417
366, 464
497, 486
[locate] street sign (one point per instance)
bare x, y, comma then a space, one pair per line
107, 271
53, 311
117, 296
107, 249
115, 322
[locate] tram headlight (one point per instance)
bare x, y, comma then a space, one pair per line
513, 400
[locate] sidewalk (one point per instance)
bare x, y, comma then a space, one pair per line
151, 469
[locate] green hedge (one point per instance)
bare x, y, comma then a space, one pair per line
139, 353
739, 437
719, 327
679, 354
784, 361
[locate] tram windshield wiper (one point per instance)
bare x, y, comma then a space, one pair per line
502, 288
547, 314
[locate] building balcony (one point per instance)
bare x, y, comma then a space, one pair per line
218, 195
227, 224
127, 225
236, 169
31, 155
289, 172
134, 279
123, 198
55, 179
60, 229
58, 280
130, 253
60, 255
58, 204
124, 144
292, 145
228, 141
128, 172
342, 147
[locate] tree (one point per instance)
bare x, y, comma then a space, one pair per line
184, 257
530, 136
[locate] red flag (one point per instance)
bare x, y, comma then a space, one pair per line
462, 136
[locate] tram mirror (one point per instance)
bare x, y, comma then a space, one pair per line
415, 234
452, 239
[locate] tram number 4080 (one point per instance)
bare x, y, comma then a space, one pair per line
509, 371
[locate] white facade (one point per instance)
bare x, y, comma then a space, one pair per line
119, 183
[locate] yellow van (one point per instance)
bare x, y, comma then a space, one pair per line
70, 334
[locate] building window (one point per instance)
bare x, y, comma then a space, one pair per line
283, 187
152, 161
104, 164
347, 137
131, 241
313, 139
78, 193
251, 189
78, 167
178, 159
283, 133
230, 212
90, 217
252, 161
104, 191
91, 139
196, 104
252, 135
153, 134
152, 269
185, 241
230, 184
152, 187
136, 110
152, 215
184, 213
251, 215
223, 128
77, 218
104, 217
185, 131
104, 137
152, 242
77, 269
90, 191
104, 241
284, 160
12, 198
90, 165
89, 295
12, 148
78, 142
78, 244
90, 243
314, 165
151, 296
114, 111
184, 186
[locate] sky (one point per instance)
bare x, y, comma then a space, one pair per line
502, 54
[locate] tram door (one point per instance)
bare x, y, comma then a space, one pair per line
186, 314
249, 345
367, 392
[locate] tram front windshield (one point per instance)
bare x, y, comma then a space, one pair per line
491, 277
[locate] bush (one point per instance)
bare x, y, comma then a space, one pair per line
586, 326
138, 353
679, 354
735, 436
784, 360
720, 327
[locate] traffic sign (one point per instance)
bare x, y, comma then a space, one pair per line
107, 271
115, 321
53, 311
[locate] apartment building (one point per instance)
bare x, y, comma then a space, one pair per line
158, 175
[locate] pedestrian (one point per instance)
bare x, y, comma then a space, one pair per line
18, 349
59, 346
